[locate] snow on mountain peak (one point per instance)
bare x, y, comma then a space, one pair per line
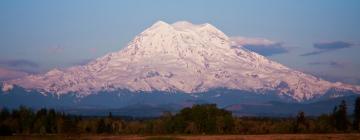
181, 57
185, 25
160, 23
176, 39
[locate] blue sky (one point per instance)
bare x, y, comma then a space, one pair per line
37, 35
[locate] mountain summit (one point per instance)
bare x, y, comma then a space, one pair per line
181, 57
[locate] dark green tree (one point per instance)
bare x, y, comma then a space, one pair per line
340, 116
356, 114
5, 113
204, 119
51, 121
110, 115
301, 124
5, 129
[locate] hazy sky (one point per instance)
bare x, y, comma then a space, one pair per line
318, 36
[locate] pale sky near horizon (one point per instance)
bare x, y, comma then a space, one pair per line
320, 36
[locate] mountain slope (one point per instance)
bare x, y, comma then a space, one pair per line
181, 57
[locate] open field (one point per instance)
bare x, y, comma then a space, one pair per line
195, 137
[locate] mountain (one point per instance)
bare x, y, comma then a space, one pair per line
182, 58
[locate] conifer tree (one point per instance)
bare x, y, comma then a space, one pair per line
356, 114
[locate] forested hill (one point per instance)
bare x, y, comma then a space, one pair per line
199, 119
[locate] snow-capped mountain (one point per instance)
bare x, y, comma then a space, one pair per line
181, 57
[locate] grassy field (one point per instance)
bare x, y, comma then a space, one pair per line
196, 137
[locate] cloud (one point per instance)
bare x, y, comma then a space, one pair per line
55, 49
19, 63
7, 74
313, 53
333, 64
332, 45
259, 45
323, 47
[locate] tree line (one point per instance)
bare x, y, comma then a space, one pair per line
198, 119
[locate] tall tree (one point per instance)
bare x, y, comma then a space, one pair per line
356, 114
110, 115
341, 120
301, 124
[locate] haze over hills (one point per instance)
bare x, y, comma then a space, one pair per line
183, 58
